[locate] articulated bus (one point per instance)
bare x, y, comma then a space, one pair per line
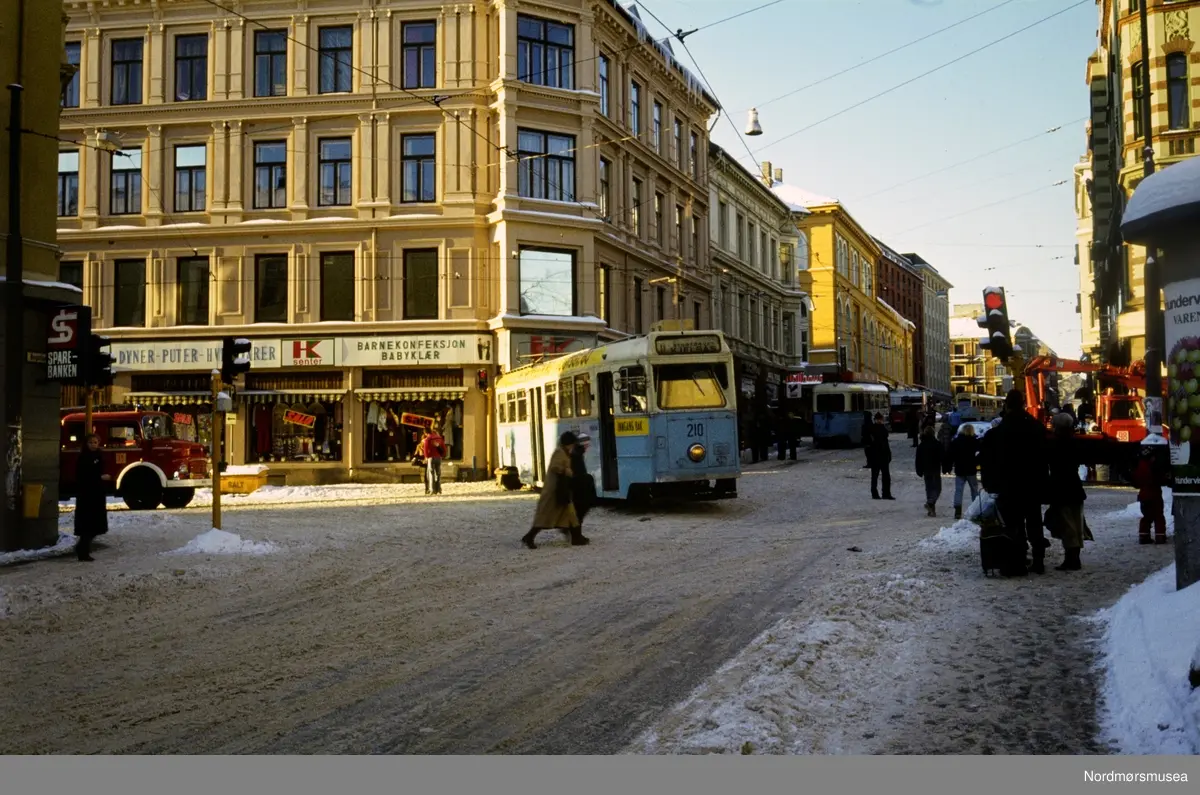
660, 409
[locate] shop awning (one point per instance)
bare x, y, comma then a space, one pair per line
432, 393
266, 395
168, 398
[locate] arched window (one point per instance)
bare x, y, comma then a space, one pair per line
854, 266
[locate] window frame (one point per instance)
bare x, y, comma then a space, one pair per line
193, 62
130, 176
336, 165
259, 283
604, 188
573, 281
68, 185
180, 264
1180, 84
191, 172
260, 52
272, 169
122, 291
325, 262
602, 82
72, 89
129, 67
527, 45
422, 50
327, 55
635, 107
527, 171
635, 208
407, 258
425, 194
657, 126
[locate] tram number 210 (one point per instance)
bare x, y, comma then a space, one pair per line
695, 430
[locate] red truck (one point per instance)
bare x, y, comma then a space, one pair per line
148, 464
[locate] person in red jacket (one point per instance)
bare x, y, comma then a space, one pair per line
1150, 478
433, 450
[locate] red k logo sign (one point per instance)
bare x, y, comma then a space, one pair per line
309, 352
305, 349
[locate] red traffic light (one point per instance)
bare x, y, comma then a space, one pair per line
993, 301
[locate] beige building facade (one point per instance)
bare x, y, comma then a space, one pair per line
384, 198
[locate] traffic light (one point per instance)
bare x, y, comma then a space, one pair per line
995, 321
97, 361
235, 358
483, 380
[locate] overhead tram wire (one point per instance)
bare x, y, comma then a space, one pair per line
927, 73
883, 55
980, 207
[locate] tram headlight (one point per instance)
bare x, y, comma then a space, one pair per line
696, 453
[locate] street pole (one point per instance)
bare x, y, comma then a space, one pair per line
88, 400
11, 536
216, 452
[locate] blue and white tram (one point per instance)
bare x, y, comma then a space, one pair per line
839, 410
659, 408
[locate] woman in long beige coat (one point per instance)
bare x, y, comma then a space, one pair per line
556, 508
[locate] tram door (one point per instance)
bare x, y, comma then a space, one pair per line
536, 422
608, 437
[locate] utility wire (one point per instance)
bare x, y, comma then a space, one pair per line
926, 73
981, 207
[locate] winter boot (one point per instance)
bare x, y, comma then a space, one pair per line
527, 539
578, 539
1070, 561
957, 512
1144, 538
1160, 538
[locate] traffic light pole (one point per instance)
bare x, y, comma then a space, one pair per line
216, 452
88, 401
1155, 334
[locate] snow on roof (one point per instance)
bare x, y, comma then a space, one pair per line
961, 327
901, 319
1171, 195
800, 199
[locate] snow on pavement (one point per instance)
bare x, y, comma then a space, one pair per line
1151, 643
63, 546
219, 542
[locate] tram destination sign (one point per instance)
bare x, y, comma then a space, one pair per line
682, 346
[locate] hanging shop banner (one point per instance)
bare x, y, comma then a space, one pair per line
140, 355
299, 418
414, 349
417, 421
1182, 326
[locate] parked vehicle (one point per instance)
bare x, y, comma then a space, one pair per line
838, 410
903, 401
149, 465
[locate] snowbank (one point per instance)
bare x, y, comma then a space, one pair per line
962, 534
246, 469
1151, 640
1133, 511
219, 542
64, 546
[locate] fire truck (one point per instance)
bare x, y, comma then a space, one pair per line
1114, 436
149, 465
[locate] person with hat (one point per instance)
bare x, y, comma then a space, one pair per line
556, 506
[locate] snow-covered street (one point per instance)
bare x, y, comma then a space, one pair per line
801, 617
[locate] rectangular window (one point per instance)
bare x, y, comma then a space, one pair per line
270, 175
635, 211
125, 195
337, 285
334, 167
547, 282
753, 258
566, 398
1138, 75
695, 314
191, 68
762, 246
70, 97
189, 178
1178, 102
419, 168
694, 155
660, 227
71, 273
741, 235
789, 334
420, 54
603, 290
192, 278
271, 288
551, 401
638, 310
755, 322
421, 284
679, 229
695, 250
605, 190
583, 395
547, 166
68, 183
680, 154
335, 60
129, 293
657, 129
660, 303
270, 63
127, 72
723, 224
604, 98
635, 108
545, 52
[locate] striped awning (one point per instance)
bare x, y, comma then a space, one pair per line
295, 395
432, 393
168, 398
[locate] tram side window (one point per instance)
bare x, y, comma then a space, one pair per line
856, 402
512, 406
830, 402
566, 398
633, 390
500, 410
522, 409
583, 395
551, 401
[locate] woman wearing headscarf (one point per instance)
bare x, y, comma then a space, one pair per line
1064, 517
556, 506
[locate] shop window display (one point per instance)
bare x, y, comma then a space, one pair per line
391, 437
302, 431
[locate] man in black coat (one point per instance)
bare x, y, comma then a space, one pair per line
583, 485
91, 492
879, 453
1013, 458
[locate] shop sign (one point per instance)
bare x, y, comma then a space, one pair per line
1182, 326
308, 352
417, 421
187, 354
69, 330
436, 349
181, 419
299, 418
632, 426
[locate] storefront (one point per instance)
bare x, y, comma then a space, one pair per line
325, 409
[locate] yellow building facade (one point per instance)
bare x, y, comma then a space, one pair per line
384, 198
853, 330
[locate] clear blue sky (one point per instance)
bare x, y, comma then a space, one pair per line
1009, 91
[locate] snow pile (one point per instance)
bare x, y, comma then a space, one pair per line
1151, 641
219, 542
960, 535
64, 545
246, 469
1133, 511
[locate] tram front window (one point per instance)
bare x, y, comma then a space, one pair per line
688, 386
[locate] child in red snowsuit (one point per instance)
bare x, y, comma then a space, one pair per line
1150, 479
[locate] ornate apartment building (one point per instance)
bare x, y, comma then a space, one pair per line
1117, 134
756, 295
384, 197
933, 367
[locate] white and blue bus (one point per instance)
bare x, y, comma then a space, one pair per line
839, 410
660, 409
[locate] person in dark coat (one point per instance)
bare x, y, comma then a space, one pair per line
964, 459
879, 454
556, 506
929, 467
91, 492
914, 425
583, 484
1013, 463
867, 431
1149, 477
1065, 517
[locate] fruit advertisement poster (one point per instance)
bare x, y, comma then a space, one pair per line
1182, 325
